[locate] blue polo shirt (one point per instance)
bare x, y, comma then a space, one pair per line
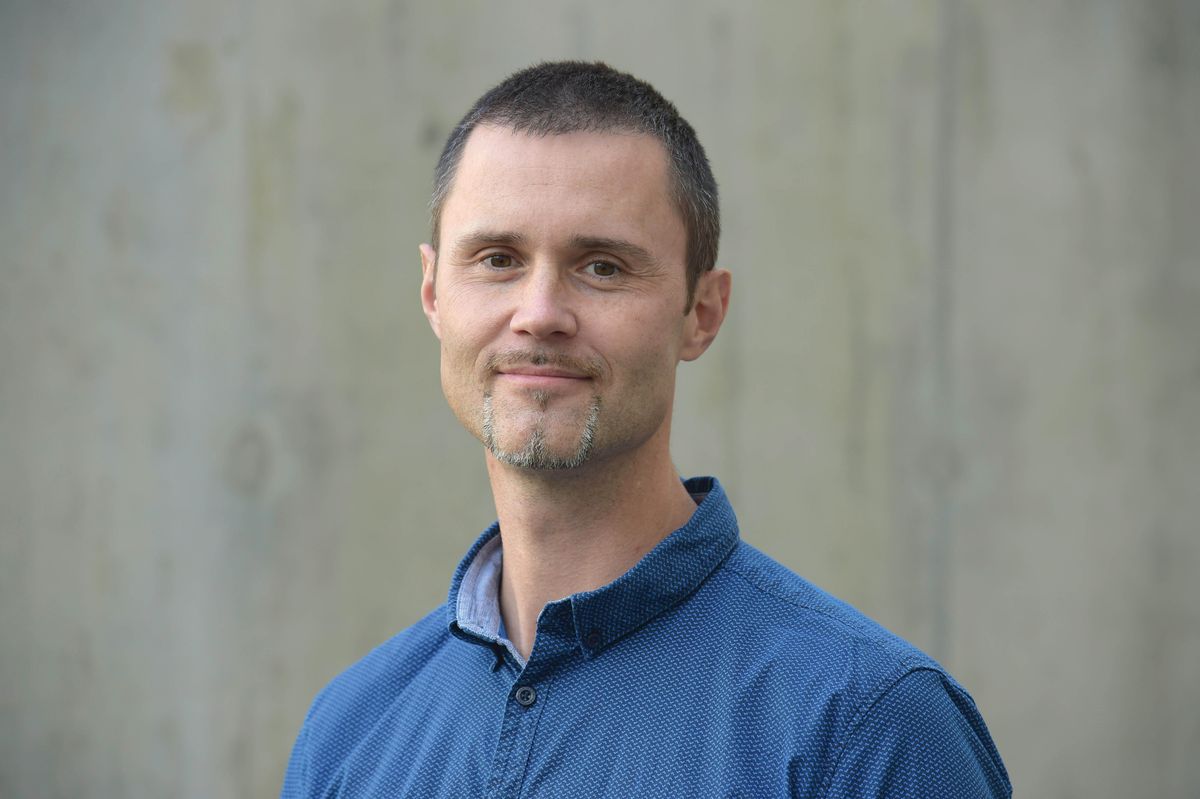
706, 670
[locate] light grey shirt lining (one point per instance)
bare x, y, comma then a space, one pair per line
479, 597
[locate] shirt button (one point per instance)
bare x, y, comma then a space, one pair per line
593, 639
526, 696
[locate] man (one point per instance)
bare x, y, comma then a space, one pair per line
609, 635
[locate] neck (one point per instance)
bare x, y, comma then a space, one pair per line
577, 530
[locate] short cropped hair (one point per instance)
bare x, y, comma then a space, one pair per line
568, 96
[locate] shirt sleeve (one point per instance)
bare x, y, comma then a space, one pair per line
295, 780
925, 738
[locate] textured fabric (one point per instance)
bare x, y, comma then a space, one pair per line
707, 670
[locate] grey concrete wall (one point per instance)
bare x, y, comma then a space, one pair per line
960, 385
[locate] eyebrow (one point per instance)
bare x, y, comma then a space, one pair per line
478, 239
625, 249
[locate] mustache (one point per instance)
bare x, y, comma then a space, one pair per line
592, 367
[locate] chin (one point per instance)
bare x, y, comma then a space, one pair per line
540, 460
535, 447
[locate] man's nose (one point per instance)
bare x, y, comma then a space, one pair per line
545, 305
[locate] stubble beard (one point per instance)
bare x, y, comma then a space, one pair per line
535, 455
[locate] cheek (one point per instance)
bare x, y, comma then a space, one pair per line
459, 373
459, 355
463, 336
650, 350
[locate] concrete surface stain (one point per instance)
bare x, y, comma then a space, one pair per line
247, 461
270, 159
191, 91
974, 88
309, 433
118, 221
433, 134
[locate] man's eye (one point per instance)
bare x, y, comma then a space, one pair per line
603, 269
498, 261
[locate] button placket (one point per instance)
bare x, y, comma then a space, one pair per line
522, 712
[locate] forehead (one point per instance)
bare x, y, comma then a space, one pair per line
608, 184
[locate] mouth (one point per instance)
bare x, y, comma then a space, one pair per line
541, 371
541, 377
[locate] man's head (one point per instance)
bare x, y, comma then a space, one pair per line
572, 96
562, 261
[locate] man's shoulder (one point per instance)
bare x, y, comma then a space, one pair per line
878, 690
807, 640
353, 703
799, 612
363, 691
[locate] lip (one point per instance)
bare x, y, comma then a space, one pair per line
542, 371
544, 377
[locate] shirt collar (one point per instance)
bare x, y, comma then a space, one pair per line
659, 581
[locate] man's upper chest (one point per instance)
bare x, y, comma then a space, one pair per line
667, 711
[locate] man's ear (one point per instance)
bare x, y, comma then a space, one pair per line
429, 287
708, 312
